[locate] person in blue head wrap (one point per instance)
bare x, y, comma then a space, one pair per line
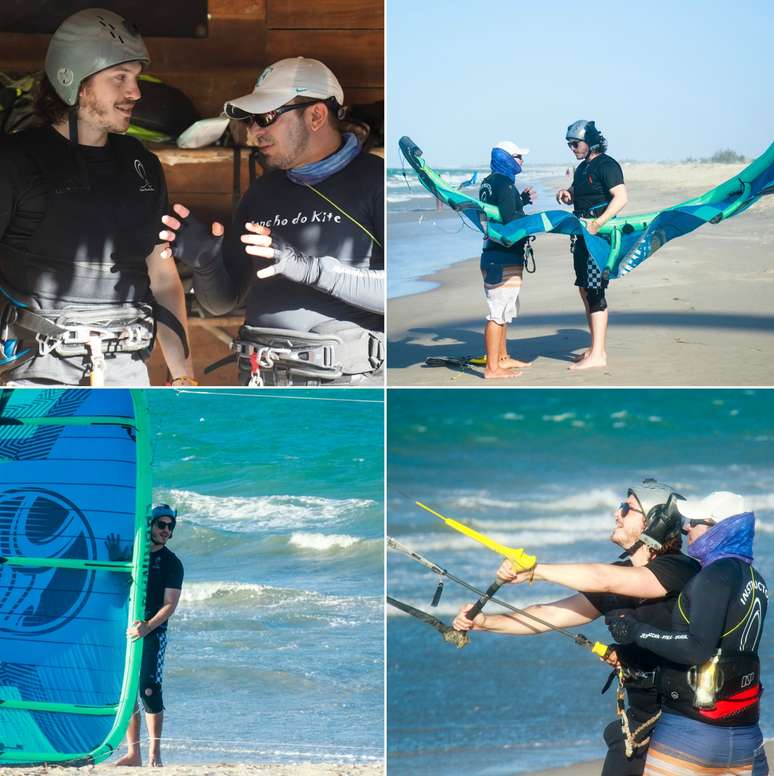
502, 268
710, 686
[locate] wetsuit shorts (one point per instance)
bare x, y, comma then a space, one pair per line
154, 646
683, 746
587, 273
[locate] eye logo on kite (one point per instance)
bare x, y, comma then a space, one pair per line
38, 523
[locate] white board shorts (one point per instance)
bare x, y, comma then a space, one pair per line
503, 301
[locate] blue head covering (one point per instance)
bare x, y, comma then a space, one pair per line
733, 538
505, 164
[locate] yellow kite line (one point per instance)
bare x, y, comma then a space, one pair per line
520, 560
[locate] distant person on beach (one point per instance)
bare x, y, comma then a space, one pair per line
502, 268
648, 581
165, 581
305, 253
711, 677
597, 193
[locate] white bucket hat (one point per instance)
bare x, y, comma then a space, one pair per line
279, 83
718, 506
511, 148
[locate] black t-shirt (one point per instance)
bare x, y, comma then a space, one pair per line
496, 189
673, 571
316, 227
165, 571
592, 183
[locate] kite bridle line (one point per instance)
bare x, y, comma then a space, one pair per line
599, 649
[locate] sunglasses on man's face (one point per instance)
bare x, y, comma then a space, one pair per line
518, 157
574, 143
625, 507
162, 524
264, 120
693, 523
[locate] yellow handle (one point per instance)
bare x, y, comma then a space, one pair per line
600, 649
520, 560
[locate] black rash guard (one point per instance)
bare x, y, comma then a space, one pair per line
724, 594
318, 229
75, 231
496, 189
165, 571
592, 183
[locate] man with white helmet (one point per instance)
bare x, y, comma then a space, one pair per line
503, 267
82, 280
314, 316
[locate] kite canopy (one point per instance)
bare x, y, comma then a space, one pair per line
75, 500
624, 242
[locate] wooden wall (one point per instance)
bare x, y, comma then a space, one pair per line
244, 37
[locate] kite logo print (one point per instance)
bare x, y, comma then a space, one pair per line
39, 523
139, 168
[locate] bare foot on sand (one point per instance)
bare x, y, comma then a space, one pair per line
513, 363
580, 356
130, 759
156, 763
590, 362
497, 374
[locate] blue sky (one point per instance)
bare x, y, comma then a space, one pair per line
663, 80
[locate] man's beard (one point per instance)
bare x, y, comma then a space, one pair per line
296, 142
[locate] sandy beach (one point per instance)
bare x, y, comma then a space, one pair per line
696, 313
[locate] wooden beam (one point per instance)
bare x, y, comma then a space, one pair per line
325, 14
355, 56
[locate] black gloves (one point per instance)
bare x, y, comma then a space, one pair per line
194, 244
623, 626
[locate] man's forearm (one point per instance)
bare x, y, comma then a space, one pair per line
363, 288
161, 616
585, 577
171, 297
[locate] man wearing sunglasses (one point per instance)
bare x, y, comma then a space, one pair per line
503, 267
165, 581
597, 193
311, 229
711, 677
647, 578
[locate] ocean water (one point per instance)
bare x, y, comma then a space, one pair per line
543, 470
424, 239
276, 650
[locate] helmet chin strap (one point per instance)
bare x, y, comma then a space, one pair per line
72, 121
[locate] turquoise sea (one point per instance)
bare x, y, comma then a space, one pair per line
542, 469
276, 650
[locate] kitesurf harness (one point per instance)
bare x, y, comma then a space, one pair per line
725, 690
93, 332
325, 354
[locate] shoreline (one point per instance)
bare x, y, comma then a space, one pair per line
214, 769
696, 313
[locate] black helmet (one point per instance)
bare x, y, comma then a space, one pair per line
663, 520
164, 510
585, 131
